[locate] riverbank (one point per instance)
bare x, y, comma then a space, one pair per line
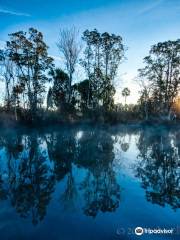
9, 121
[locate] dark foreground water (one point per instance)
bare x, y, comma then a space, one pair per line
88, 183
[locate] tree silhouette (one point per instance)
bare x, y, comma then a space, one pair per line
125, 94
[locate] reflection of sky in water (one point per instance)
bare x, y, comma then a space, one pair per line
87, 183
126, 153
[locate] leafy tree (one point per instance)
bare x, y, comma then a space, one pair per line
84, 94
103, 54
162, 70
59, 92
28, 52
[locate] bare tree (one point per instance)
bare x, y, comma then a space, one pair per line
69, 45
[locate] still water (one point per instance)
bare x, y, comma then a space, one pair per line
89, 183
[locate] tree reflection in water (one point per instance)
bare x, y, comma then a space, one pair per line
27, 179
36, 161
101, 190
159, 166
32, 163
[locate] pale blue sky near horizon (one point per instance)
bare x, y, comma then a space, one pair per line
141, 23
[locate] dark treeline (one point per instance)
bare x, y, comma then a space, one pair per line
36, 89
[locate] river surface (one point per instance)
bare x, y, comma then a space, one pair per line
89, 183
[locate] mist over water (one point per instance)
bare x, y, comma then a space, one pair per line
88, 182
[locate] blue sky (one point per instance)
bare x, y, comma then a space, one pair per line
141, 23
